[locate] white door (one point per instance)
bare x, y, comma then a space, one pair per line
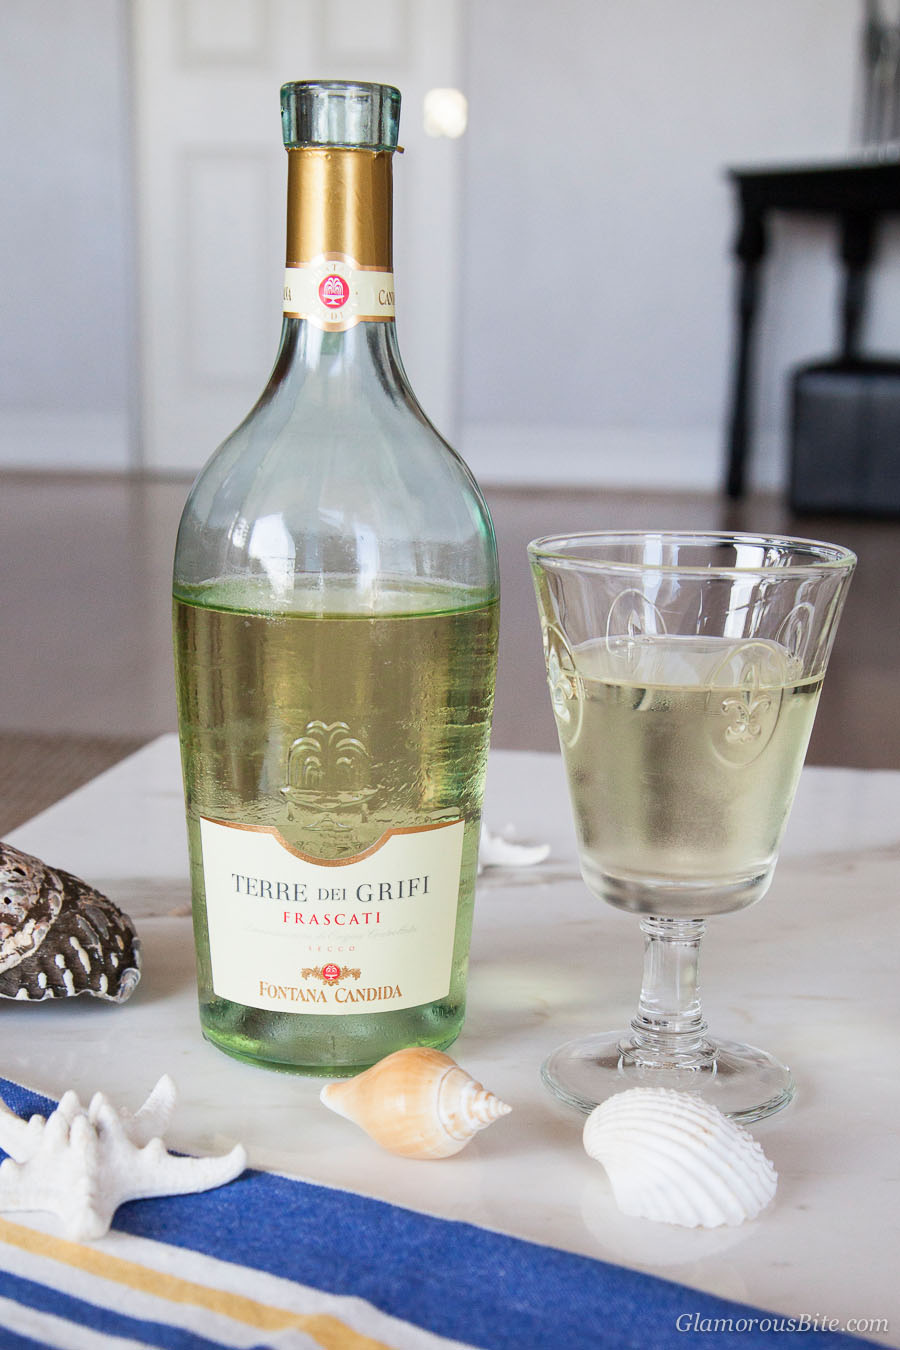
211, 175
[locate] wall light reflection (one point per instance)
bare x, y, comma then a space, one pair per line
446, 112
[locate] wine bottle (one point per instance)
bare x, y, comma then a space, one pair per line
335, 622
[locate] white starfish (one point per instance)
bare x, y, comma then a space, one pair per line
82, 1164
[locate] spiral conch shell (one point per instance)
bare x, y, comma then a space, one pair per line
673, 1157
418, 1103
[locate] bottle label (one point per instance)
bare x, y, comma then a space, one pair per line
335, 293
294, 933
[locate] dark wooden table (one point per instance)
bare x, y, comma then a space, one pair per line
856, 195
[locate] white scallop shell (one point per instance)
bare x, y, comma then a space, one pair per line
673, 1157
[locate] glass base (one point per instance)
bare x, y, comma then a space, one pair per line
743, 1082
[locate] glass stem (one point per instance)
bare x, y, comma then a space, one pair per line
669, 1028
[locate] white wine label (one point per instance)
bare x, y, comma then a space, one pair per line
335, 293
304, 935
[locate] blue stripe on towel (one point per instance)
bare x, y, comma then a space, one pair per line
11, 1340
25, 1102
457, 1280
46, 1299
454, 1279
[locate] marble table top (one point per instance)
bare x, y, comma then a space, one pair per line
810, 973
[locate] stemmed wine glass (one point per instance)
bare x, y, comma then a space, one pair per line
684, 673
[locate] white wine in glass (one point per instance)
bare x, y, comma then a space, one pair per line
684, 769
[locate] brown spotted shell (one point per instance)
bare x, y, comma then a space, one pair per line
59, 937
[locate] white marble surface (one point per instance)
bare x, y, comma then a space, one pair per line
810, 973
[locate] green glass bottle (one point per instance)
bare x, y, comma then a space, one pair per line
335, 619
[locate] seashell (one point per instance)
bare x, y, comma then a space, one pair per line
495, 850
418, 1103
82, 1164
673, 1157
59, 937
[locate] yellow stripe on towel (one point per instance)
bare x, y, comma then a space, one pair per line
330, 1332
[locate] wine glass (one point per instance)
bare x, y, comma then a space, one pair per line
684, 673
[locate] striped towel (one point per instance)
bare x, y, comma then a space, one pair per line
270, 1261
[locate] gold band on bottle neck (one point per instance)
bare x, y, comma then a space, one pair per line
339, 202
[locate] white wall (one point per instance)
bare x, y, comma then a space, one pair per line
65, 240
597, 304
598, 301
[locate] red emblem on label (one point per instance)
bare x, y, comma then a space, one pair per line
334, 291
331, 972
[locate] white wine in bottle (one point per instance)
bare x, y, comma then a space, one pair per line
336, 606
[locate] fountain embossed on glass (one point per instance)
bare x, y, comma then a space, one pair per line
684, 674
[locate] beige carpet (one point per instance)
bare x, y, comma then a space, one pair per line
36, 770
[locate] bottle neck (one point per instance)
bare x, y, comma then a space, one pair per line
338, 266
364, 359
339, 202
339, 287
